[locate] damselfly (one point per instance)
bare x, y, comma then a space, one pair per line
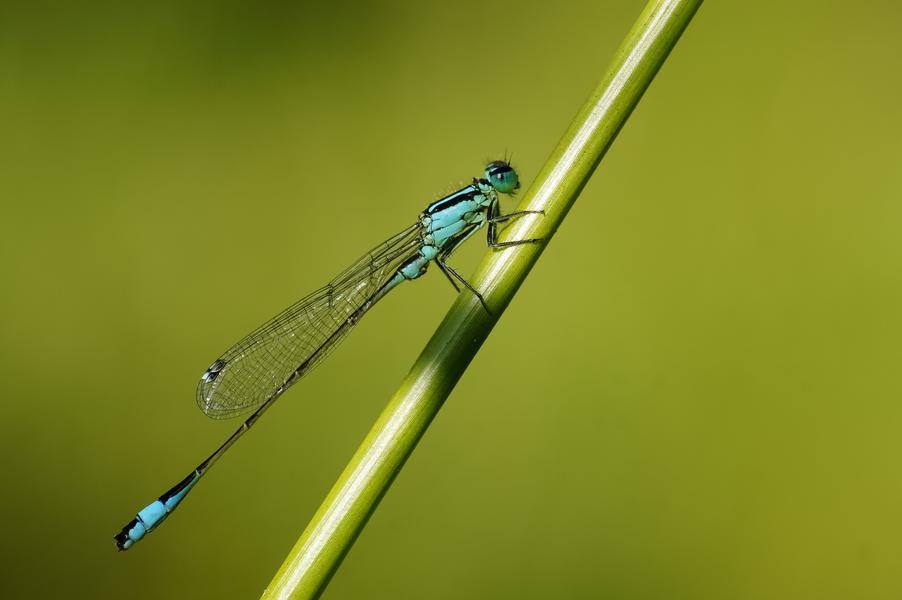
253, 373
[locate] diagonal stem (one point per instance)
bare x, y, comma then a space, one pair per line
331, 533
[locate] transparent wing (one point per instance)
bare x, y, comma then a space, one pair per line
267, 361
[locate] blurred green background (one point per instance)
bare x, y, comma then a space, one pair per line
695, 395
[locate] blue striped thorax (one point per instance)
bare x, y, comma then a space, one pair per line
449, 220
447, 217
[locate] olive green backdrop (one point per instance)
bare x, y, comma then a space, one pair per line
695, 395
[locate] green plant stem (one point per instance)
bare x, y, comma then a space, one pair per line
329, 535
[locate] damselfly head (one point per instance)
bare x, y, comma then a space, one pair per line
502, 177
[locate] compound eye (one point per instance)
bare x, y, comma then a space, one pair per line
502, 177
